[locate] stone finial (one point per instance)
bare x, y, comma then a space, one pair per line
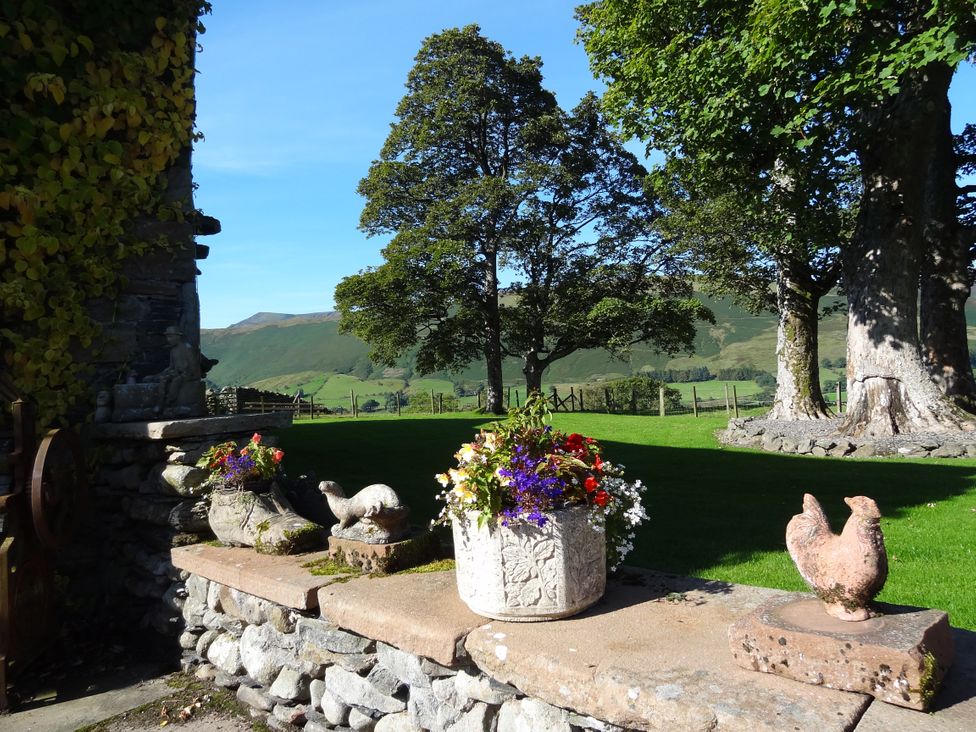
375, 515
848, 570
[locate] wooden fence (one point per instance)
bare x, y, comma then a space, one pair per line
592, 399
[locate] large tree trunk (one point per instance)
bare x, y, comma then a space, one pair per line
945, 275
889, 389
532, 368
493, 333
798, 394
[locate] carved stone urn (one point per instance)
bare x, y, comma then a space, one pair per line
524, 572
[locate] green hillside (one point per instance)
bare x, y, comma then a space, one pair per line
288, 352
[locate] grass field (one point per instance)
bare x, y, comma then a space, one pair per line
715, 512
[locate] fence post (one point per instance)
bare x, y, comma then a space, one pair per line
516, 399
555, 400
262, 404
633, 399
582, 409
433, 404
840, 408
479, 401
440, 403
728, 407
694, 399
735, 403
508, 397
660, 396
352, 402
398, 403
606, 395
355, 406
311, 407
572, 399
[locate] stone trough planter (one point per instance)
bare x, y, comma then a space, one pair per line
527, 573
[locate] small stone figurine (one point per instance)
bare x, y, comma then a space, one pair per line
180, 381
375, 515
845, 571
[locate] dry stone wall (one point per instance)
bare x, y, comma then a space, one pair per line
294, 668
148, 497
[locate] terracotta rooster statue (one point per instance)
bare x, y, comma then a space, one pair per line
845, 571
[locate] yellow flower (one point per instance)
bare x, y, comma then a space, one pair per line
462, 488
491, 441
466, 453
443, 479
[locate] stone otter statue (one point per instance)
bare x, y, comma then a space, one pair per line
375, 515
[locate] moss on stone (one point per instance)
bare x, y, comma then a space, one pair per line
928, 683
438, 565
331, 566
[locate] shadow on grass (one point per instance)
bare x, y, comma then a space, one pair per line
706, 505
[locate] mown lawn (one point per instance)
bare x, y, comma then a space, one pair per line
715, 512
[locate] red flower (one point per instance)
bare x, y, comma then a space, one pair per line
601, 498
575, 438
591, 484
278, 454
256, 438
598, 464
243, 451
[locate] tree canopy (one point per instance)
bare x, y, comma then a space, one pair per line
752, 88
484, 176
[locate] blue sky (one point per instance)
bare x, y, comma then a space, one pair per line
295, 105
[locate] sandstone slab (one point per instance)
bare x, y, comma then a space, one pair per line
280, 579
900, 657
418, 613
653, 654
952, 710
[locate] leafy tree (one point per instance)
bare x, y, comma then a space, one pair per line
482, 171
724, 85
770, 239
447, 185
589, 272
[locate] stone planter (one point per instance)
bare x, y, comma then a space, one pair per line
265, 521
528, 573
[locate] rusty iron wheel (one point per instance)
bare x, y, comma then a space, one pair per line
57, 487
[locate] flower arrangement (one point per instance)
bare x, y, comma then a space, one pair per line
521, 469
233, 467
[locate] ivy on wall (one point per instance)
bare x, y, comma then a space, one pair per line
99, 104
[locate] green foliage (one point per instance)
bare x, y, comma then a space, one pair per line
634, 395
98, 104
482, 170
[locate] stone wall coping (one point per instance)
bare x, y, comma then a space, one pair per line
652, 654
420, 613
201, 427
280, 579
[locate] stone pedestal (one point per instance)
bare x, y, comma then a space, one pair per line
899, 657
393, 557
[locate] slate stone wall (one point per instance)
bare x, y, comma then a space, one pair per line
292, 668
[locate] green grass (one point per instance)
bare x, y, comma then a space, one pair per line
715, 512
716, 389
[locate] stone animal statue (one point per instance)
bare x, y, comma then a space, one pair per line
848, 570
375, 515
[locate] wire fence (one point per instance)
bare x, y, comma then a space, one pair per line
619, 398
